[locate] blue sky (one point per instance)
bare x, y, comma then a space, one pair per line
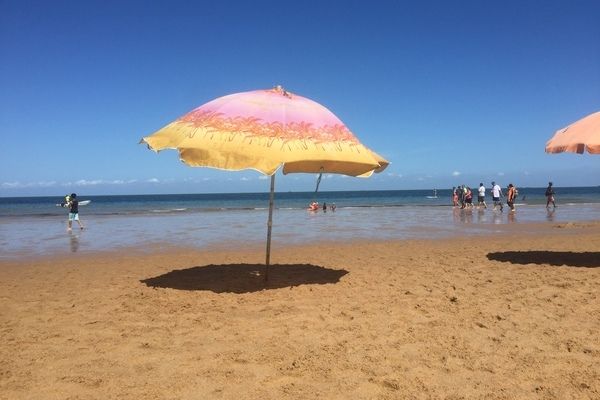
450, 92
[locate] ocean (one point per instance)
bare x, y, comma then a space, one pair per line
36, 226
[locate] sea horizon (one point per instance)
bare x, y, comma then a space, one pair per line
42, 206
488, 188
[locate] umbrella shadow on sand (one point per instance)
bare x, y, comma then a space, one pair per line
586, 259
245, 278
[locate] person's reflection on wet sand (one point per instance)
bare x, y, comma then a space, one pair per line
480, 215
497, 218
550, 214
466, 216
74, 242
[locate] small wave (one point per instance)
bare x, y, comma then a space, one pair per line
169, 210
32, 215
394, 205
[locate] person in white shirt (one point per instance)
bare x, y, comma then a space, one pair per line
481, 196
496, 194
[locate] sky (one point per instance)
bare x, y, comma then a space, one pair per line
450, 92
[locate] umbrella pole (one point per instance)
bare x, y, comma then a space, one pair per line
269, 226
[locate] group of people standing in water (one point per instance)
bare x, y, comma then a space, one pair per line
463, 196
314, 206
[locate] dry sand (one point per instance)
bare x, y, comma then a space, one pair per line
494, 317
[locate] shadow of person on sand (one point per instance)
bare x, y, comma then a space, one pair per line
245, 278
586, 259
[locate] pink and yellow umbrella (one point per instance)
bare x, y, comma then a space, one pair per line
578, 137
265, 130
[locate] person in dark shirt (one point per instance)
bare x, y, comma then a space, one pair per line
73, 205
550, 196
511, 195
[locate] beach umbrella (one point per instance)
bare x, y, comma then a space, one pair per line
578, 137
265, 130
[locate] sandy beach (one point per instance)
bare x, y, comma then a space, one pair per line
510, 316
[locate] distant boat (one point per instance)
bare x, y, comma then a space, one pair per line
435, 196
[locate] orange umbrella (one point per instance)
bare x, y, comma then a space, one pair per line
578, 137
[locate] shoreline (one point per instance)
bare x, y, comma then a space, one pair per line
480, 230
494, 317
44, 236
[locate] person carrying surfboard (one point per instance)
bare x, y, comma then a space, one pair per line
73, 205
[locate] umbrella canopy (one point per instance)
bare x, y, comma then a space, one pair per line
578, 137
265, 130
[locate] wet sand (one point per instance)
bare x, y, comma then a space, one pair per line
508, 316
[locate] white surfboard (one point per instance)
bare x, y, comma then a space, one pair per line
81, 203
